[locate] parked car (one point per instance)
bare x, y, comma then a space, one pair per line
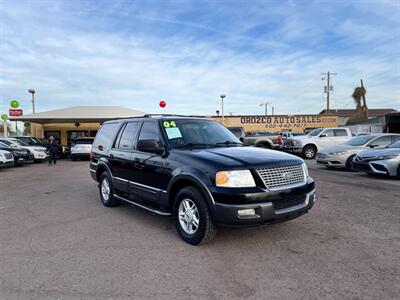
63, 151
21, 156
38, 152
81, 148
308, 145
6, 159
196, 170
263, 139
341, 156
384, 161
238, 132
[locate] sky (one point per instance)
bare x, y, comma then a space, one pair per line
188, 53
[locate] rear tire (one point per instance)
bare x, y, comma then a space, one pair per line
264, 145
192, 217
106, 190
309, 152
349, 163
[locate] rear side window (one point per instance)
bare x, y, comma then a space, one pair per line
340, 132
149, 131
105, 136
126, 138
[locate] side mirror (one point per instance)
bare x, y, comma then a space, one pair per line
323, 135
151, 146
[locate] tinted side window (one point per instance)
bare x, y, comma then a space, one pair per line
395, 138
340, 132
149, 131
329, 132
382, 141
128, 136
105, 136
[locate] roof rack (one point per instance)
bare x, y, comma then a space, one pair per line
170, 115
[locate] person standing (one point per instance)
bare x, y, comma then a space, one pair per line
52, 149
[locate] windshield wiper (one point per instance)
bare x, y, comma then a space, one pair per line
195, 144
228, 143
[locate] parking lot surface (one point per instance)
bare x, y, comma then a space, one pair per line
57, 241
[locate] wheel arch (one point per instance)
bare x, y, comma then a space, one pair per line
101, 168
185, 180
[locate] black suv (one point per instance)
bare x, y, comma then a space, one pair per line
196, 170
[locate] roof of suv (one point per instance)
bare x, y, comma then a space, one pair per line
160, 117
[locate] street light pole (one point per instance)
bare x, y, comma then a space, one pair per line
32, 91
222, 108
266, 107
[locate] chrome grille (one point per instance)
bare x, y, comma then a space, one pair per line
276, 178
8, 155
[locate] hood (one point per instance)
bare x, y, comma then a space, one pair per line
234, 157
34, 148
380, 152
342, 147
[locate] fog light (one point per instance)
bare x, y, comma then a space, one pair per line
246, 212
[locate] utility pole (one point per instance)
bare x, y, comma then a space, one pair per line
273, 110
328, 87
222, 108
265, 104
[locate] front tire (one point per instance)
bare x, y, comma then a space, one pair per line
309, 152
192, 217
349, 163
106, 190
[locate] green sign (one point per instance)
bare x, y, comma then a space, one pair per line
4, 117
14, 104
169, 124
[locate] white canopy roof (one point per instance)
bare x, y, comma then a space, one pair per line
81, 114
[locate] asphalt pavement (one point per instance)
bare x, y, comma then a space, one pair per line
57, 241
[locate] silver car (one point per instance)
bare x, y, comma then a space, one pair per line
341, 156
379, 161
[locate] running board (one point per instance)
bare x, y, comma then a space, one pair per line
143, 206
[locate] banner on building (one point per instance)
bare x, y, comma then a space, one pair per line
297, 123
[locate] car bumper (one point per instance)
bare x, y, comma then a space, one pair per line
294, 149
380, 167
40, 156
23, 160
80, 155
6, 164
331, 161
269, 207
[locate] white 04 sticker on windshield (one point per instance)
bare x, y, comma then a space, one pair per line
173, 133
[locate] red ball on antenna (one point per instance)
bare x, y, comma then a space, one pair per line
163, 104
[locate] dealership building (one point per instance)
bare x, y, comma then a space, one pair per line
69, 123
84, 121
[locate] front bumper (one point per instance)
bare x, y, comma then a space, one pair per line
39, 155
269, 207
331, 161
380, 167
80, 155
6, 164
293, 149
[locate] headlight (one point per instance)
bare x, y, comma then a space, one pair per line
305, 168
338, 153
387, 157
235, 179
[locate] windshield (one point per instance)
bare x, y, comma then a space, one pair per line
19, 143
394, 145
27, 140
359, 140
198, 133
315, 132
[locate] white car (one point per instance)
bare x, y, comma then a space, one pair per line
81, 148
6, 159
308, 145
38, 152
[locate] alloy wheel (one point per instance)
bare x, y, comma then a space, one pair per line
188, 215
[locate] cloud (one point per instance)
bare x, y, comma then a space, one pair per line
129, 54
